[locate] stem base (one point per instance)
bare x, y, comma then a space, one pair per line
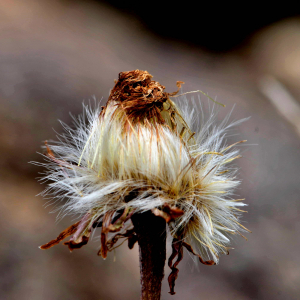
151, 234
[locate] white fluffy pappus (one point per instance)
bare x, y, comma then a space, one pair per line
108, 163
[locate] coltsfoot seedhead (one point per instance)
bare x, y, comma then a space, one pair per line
138, 156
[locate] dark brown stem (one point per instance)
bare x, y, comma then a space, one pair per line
151, 234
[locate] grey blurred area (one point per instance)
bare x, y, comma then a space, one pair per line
56, 54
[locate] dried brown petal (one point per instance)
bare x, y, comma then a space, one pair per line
67, 232
82, 227
105, 229
82, 234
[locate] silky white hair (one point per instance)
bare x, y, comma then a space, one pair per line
95, 165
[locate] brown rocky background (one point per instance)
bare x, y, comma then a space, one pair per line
54, 55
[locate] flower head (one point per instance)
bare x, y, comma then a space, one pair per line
139, 153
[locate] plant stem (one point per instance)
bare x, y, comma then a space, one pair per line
151, 234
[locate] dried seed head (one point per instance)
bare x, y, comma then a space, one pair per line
139, 154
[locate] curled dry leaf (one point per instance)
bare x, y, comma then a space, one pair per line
177, 250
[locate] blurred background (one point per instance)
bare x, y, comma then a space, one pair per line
56, 54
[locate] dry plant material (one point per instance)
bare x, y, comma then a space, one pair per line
67, 232
140, 97
137, 163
